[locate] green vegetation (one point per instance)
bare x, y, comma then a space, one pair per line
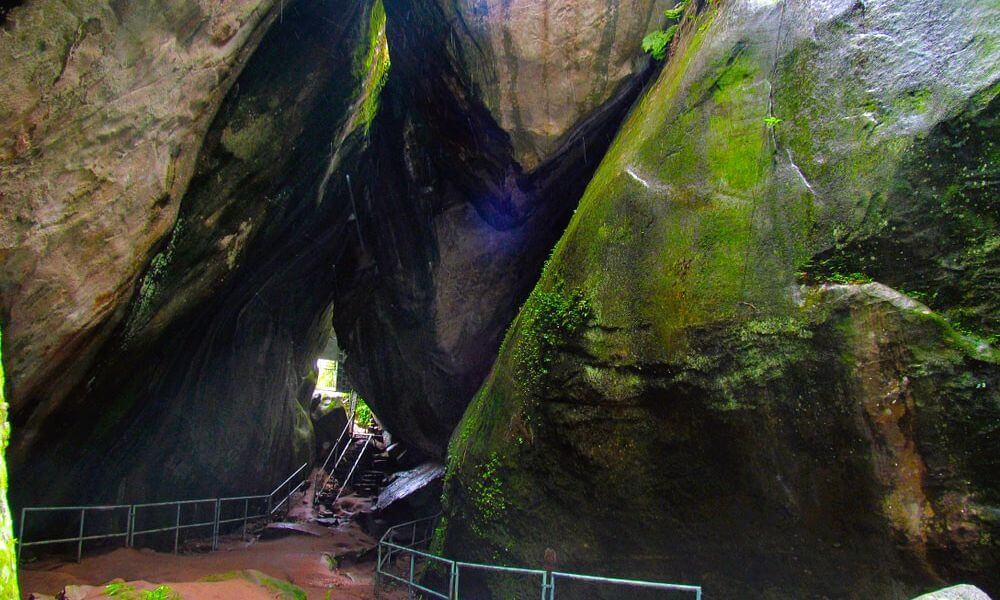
283, 590
656, 42
120, 589
487, 496
152, 281
8, 561
677, 12
548, 319
374, 66
363, 415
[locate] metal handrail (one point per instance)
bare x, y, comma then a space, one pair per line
336, 444
333, 470
353, 467
547, 590
347, 426
133, 509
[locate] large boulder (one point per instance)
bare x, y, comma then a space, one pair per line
541, 68
200, 386
477, 163
685, 396
102, 114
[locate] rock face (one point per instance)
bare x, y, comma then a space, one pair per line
100, 130
682, 397
203, 376
956, 592
180, 181
457, 205
543, 67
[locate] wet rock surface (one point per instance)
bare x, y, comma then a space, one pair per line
672, 402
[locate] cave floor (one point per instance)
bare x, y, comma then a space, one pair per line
295, 558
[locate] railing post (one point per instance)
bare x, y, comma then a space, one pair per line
452, 589
20, 538
131, 540
409, 583
378, 570
246, 510
215, 525
177, 527
128, 527
79, 544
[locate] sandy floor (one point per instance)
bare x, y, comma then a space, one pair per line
296, 558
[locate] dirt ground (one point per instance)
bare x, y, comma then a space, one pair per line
296, 558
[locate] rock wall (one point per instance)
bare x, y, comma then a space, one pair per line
455, 213
205, 374
102, 116
686, 396
541, 68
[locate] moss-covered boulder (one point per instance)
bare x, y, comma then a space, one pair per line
686, 397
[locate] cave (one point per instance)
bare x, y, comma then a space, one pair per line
695, 293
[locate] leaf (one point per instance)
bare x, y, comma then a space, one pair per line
656, 42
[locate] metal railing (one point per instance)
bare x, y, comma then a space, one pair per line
333, 469
263, 505
411, 576
350, 473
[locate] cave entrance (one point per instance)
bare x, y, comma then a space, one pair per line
336, 409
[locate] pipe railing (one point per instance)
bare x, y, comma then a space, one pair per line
263, 503
349, 426
350, 473
411, 577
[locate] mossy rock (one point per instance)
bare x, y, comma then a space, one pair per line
282, 589
710, 419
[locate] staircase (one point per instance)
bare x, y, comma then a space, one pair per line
362, 470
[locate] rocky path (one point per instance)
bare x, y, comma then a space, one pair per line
327, 562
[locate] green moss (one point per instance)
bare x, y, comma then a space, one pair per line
282, 589
245, 138
124, 591
152, 279
374, 65
549, 319
488, 496
8, 560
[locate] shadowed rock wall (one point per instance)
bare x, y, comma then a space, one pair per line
455, 220
200, 388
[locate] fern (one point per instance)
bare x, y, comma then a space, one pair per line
675, 13
656, 43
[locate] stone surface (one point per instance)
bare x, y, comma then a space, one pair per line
451, 231
543, 67
205, 377
956, 592
672, 402
102, 115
